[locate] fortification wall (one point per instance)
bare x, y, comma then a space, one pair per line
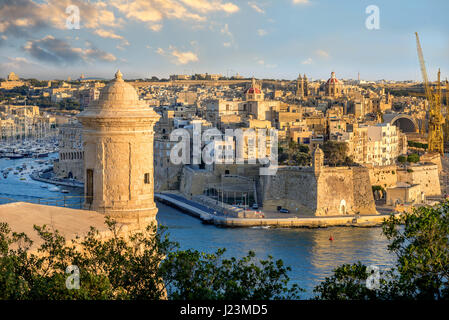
291, 188
362, 191
345, 191
434, 158
336, 191
426, 175
385, 176
335, 196
193, 182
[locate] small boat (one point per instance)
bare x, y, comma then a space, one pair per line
65, 191
44, 186
22, 179
54, 189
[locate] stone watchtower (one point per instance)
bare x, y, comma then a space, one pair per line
318, 160
118, 154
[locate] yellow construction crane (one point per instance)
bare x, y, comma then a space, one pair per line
436, 120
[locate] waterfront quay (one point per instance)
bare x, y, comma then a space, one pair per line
210, 216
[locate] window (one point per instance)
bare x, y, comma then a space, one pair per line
147, 178
89, 185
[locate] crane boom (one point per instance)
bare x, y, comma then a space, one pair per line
423, 66
436, 120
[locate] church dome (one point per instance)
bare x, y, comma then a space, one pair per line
12, 77
253, 90
333, 79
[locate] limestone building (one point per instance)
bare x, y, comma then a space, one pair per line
12, 81
118, 154
71, 155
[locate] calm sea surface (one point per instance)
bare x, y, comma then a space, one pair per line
308, 252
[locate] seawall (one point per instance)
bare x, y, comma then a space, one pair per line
308, 222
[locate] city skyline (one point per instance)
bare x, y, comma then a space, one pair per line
265, 39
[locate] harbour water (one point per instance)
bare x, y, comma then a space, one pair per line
309, 252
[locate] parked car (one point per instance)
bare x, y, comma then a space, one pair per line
255, 206
284, 211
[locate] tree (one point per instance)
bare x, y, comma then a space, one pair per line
414, 157
402, 159
302, 158
193, 275
335, 153
147, 265
419, 240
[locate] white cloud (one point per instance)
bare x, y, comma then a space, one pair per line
322, 53
57, 51
184, 57
107, 34
225, 30
123, 44
16, 63
300, 1
178, 57
156, 27
158, 10
205, 6
307, 61
256, 7
261, 32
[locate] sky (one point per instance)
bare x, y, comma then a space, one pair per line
261, 38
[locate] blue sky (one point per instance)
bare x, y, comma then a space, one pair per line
261, 38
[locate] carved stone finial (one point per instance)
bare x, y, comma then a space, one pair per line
118, 75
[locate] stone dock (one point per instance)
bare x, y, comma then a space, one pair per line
36, 176
207, 216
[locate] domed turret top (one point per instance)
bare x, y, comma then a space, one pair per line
118, 99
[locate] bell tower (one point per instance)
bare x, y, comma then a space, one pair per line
118, 154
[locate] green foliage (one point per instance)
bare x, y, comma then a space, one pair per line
417, 145
146, 265
302, 159
414, 157
377, 188
347, 283
37, 83
335, 153
294, 153
68, 104
194, 275
420, 242
402, 159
